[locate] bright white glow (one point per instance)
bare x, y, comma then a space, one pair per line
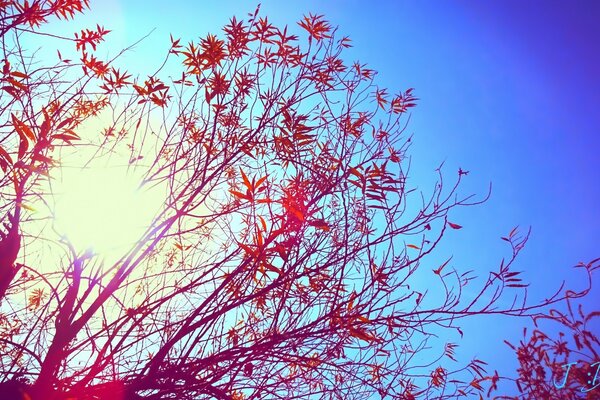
103, 208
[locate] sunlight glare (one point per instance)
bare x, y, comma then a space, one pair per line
103, 209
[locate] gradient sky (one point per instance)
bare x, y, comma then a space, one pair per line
509, 90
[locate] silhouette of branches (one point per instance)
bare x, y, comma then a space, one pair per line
292, 257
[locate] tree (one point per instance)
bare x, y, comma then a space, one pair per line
560, 365
291, 255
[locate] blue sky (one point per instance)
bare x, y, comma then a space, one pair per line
509, 90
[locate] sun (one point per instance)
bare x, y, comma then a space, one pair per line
103, 208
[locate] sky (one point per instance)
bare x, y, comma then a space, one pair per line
508, 90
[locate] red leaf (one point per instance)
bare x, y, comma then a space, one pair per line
362, 334
21, 128
239, 194
320, 224
439, 270
246, 180
263, 223
260, 181
454, 226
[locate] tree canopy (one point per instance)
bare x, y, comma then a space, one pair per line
291, 256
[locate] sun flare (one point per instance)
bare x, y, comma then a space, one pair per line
103, 209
